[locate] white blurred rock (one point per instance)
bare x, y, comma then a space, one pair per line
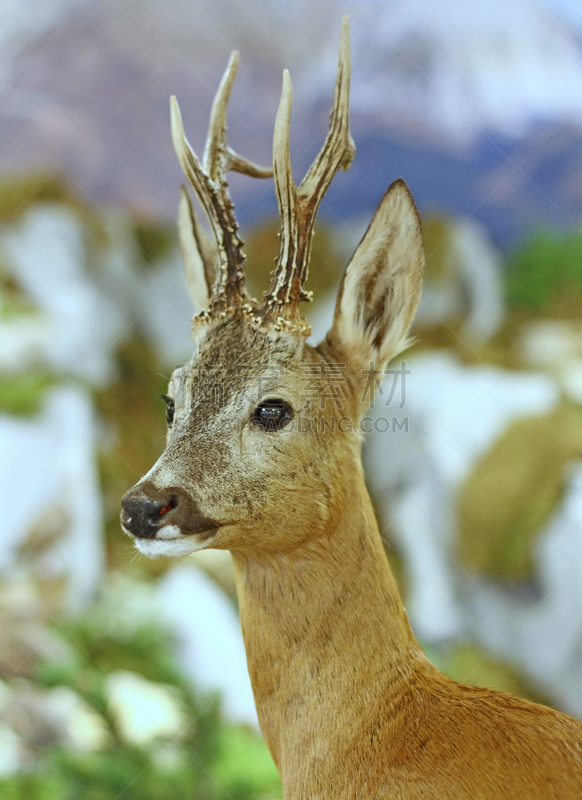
458, 411
556, 346
478, 263
167, 310
431, 601
543, 342
77, 322
11, 748
210, 646
84, 729
472, 287
203, 621
455, 413
144, 711
125, 606
51, 497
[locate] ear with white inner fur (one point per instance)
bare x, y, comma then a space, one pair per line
200, 256
382, 284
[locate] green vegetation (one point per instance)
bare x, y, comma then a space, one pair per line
154, 241
22, 393
544, 275
245, 764
436, 234
512, 492
13, 301
212, 761
18, 192
192, 770
468, 663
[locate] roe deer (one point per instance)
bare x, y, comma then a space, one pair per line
255, 463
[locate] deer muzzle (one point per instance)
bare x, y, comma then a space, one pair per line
146, 510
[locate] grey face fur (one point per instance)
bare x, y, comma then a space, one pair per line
229, 483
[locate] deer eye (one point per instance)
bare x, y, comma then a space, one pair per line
272, 415
170, 409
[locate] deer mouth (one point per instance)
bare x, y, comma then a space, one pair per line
160, 530
172, 540
174, 544
170, 532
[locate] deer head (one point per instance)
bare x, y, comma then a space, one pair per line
262, 427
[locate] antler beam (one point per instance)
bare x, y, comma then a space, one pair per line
208, 180
298, 205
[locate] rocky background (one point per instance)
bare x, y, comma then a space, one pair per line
121, 677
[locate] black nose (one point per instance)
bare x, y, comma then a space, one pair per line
142, 517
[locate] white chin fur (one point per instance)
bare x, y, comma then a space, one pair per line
169, 532
170, 545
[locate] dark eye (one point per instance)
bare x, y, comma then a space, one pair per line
272, 415
170, 409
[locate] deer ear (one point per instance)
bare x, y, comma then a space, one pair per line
381, 287
199, 254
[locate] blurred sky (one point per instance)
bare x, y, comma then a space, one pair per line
476, 103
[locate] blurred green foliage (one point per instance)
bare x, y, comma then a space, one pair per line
513, 490
154, 240
244, 764
22, 393
544, 275
468, 663
436, 236
13, 301
213, 761
19, 191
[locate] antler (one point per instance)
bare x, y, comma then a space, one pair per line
209, 182
298, 205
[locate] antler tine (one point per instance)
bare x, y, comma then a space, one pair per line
209, 182
189, 227
286, 194
298, 206
229, 289
339, 149
218, 156
189, 161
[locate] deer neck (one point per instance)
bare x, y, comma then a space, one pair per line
326, 636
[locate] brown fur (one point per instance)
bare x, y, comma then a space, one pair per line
349, 705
